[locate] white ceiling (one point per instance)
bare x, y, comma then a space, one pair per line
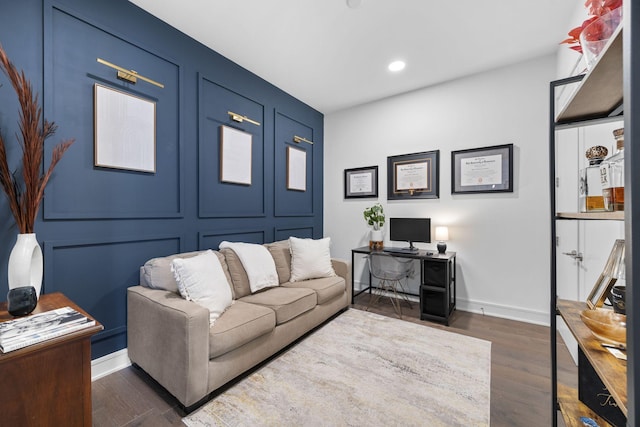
333, 57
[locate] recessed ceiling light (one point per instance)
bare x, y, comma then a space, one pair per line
396, 66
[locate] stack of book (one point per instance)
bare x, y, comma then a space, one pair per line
29, 330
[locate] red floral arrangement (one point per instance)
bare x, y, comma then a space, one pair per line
596, 9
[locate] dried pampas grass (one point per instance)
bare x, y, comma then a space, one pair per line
24, 198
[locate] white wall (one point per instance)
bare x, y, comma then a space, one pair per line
502, 240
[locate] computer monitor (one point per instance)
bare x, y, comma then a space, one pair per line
410, 230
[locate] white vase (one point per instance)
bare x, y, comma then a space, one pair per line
377, 236
25, 263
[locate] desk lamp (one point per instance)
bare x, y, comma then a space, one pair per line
442, 235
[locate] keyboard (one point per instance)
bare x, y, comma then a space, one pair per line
400, 250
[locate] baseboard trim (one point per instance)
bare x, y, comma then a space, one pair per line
109, 364
505, 312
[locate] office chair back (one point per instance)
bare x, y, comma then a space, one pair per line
387, 267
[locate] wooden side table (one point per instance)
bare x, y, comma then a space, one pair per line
48, 384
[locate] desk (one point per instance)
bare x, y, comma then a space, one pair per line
437, 281
49, 383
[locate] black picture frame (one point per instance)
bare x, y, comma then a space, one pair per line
476, 170
413, 176
361, 182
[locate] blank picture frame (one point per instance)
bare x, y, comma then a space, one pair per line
235, 156
296, 169
124, 130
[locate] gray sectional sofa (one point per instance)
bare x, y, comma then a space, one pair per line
171, 338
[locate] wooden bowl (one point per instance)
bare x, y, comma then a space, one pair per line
607, 326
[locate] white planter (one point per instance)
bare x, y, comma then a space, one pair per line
377, 236
25, 263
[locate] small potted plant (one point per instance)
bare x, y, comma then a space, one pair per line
374, 216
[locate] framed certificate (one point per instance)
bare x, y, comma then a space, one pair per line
482, 170
413, 176
361, 182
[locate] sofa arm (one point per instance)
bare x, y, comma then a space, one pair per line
168, 337
343, 269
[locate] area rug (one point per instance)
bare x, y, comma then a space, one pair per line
363, 369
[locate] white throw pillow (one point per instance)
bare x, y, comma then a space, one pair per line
257, 263
201, 280
310, 259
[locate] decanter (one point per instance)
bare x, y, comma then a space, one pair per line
590, 182
612, 176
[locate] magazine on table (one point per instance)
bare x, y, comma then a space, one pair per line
18, 333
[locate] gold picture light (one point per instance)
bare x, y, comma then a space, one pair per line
298, 139
240, 118
130, 76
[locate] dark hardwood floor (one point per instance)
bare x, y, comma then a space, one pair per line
520, 375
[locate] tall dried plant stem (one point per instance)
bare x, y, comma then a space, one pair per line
24, 200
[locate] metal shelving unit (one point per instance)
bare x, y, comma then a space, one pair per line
598, 98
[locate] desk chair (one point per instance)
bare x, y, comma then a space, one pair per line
390, 271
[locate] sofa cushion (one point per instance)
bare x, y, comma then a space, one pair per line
282, 257
239, 278
156, 273
327, 288
310, 259
257, 263
286, 302
241, 323
201, 279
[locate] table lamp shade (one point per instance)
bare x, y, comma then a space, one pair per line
442, 234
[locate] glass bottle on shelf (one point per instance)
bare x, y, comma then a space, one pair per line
612, 176
590, 183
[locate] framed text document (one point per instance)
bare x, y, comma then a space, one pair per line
361, 182
482, 170
413, 176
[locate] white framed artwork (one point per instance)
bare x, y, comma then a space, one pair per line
235, 156
296, 169
124, 130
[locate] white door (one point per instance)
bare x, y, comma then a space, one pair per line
568, 255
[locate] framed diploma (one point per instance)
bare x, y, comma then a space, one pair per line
361, 182
482, 170
413, 176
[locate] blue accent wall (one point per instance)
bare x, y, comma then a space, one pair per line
98, 225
